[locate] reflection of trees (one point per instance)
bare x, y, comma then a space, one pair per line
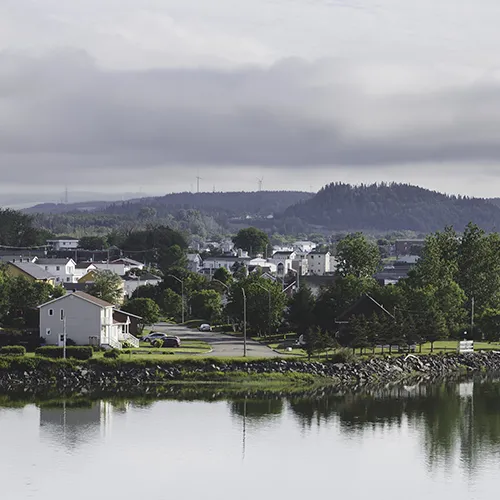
257, 409
448, 422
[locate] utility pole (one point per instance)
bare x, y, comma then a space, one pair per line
244, 322
182, 292
472, 320
64, 336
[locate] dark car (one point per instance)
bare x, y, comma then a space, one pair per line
167, 341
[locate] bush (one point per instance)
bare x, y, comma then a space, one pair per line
13, 350
342, 356
112, 354
158, 343
127, 345
76, 352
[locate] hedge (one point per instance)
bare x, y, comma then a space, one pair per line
13, 350
77, 352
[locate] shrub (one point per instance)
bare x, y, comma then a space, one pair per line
127, 345
76, 352
342, 356
158, 343
13, 350
112, 354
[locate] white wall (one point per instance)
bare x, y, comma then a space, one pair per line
83, 319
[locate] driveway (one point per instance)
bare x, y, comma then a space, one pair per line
222, 344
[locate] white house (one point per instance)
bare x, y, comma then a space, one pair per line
132, 282
119, 266
63, 244
283, 261
82, 268
18, 258
194, 262
318, 262
211, 264
304, 246
62, 269
84, 319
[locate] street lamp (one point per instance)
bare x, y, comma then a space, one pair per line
244, 315
269, 306
182, 292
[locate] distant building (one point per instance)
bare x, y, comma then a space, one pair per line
62, 269
283, 261
408, 247
84, 319
319, 262
194, 262
132, 282
66, 243
30, 271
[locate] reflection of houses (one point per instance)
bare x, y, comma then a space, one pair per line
30, 271
85, 319
74, 423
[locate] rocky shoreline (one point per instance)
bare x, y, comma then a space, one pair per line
39, 375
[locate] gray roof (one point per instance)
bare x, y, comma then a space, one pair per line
83, 265
52, 262
91, 298
283, 253
126, 260
33, 270
143, 277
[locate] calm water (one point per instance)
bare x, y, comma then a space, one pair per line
434, 442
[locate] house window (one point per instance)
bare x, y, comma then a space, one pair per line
62, 314
46, 268
57, 279
67, 279
51, 312
47, 332
58, 268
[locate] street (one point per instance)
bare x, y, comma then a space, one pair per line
222, 344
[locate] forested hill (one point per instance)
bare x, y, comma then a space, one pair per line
231, 204
388, 207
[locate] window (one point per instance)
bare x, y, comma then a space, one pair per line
58, 268
46, 268
51, 312
57, 279
62, 314
67, 279
47, 332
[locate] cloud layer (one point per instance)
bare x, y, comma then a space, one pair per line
293, 113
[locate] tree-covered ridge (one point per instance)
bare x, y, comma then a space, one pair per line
387, 207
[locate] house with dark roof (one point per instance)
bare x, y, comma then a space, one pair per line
132, 282
86, 320
30, 271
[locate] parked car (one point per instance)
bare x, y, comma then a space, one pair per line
171, 342
205, 327
153, 336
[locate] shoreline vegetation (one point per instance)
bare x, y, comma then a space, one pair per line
43, 376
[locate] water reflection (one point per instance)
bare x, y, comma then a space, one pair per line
447, 421
73, 423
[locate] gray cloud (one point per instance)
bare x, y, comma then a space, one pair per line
62, 111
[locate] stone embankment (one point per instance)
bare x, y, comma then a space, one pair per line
90, 376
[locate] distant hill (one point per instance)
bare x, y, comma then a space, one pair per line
232, 204
387, 207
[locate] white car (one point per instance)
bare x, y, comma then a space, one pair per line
205, 327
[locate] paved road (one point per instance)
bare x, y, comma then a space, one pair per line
222, 344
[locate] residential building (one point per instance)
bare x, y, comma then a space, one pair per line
18, 258
62, 269
119, 266
304, 246
30, 271
82, 268
84, 319
65, 243
194, 262
211, 264
283, 261
408, 247
318, 262
132, 282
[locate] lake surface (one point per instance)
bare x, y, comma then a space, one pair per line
432, 442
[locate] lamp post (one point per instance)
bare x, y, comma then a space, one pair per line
182, 292
269, 307
244, 315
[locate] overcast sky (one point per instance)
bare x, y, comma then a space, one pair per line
129, 95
